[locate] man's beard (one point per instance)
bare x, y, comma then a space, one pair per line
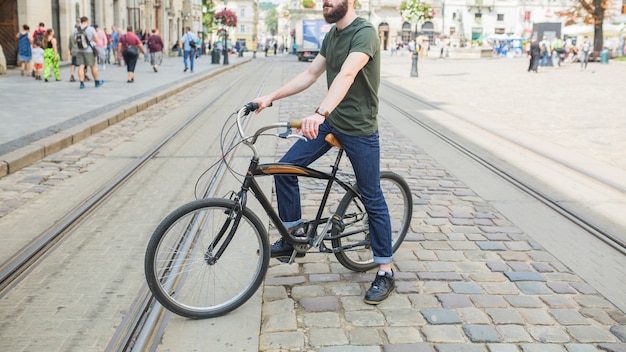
335, 13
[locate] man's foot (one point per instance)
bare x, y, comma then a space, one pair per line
282, 249
154, 68
381, 288
72, 79
99, 83
82, 85
186, 68
87, 79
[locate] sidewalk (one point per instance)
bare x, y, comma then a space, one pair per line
50, 116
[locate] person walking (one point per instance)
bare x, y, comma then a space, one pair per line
115, 39
585, 49
108, 48
145, 35
37, 61
24, 50
72, 48
86, 34
130, 45
50, 56
101, 45
155, 45
544, 47
350, 56
189, 43
557, 50
533, 55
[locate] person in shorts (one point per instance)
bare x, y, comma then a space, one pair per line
85, 57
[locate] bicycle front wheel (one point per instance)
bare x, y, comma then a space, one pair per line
353, 243
185, 270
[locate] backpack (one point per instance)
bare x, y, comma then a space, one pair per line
39, 37
82, 42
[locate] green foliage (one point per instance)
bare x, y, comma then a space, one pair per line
208, 11
264, 6
308, 4
271, 20
415, 11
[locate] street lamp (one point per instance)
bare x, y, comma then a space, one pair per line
415, 56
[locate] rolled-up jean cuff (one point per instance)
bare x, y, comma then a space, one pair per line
291, 224
383, 260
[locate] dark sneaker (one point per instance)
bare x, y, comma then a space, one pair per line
99, 83
82, 85
283, 249
381, 288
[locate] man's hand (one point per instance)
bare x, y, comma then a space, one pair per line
310, 125
264, 102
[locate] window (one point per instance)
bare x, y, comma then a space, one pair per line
500, 17
242, 28
478, 18
242, 13
452, 30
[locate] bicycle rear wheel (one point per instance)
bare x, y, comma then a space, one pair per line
182, 268
356, 253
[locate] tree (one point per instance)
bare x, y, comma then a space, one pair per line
208, 11
414, 11
588, 12
271, 21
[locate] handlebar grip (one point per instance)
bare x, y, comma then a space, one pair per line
251, 106
295, 124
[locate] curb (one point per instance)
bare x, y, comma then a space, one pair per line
30, 154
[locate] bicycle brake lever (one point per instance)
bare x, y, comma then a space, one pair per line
298, 136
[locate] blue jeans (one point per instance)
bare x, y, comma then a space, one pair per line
364, 154
189, 54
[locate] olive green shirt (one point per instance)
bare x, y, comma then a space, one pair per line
356, 113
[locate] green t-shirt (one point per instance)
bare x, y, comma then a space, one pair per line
356, 113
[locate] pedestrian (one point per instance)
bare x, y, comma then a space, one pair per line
533, 55
350, 54
115, 38
544, 46
275, 47
85, 39
50, 56
145, 35
189, 43
557, 50
108, 48
38, 60
130, 45
101, 46
24, 51
155, 45
72, 48
585, 49
39, 34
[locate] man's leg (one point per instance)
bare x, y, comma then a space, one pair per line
185, 54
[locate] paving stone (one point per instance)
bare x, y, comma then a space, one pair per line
612, 347
355, 303
619, 331
436, 316
549, 334
365, 318
524, 276
436, 287
502, 347
346, 289
451, 300
409, 347
443, 334
510, 256
289, 280
523, 301
439, 276
537, 317
459, 348
327, 337
423, 301
282, 340
403, 317
561, 288
278, 306
490, 246
403, 287
568, 317
519, 266
403, 335
466, 287
481, 333
513, 333
533, 288
439, 266
590, 334
491, 301
365, 336
324, 277
542, 267
535, 347
557, 301
497, 266
584, 288
599, 315
500, 288
579, 347
350, 349
280, 322
274, 293
301, 291
504, 316
318, 304
322, 320
472, 315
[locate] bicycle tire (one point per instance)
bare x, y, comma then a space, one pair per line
354, 219
178, 265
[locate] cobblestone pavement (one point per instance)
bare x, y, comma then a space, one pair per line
467, 278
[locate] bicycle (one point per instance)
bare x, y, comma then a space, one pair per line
209, 256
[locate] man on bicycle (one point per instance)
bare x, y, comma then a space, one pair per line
350, 56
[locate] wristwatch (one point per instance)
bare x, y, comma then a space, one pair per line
321, 111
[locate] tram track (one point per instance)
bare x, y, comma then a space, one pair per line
141, 327
567, 212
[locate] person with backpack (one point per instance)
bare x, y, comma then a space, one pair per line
130, 45
85, 39
39, 34
189, 47
584, 51
544, 46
